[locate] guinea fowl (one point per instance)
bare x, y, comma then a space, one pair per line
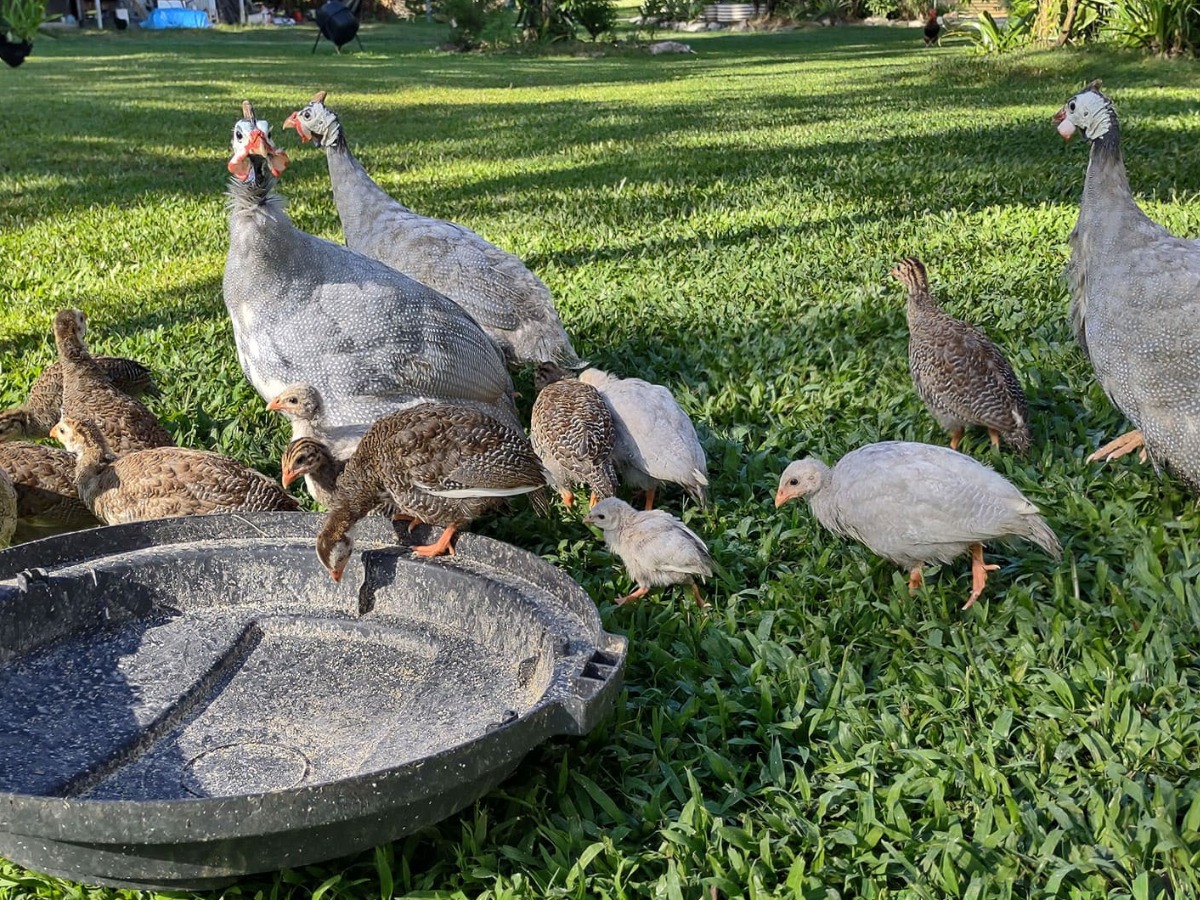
1135, 301
87, 393
439, 463
657, 549
572, 430
44, 478
915, 504
959, 374
162, 482
508, 301
306, 310
8, 509
309, 457
656, 441
35, 417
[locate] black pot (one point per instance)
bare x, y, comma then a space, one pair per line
14, 54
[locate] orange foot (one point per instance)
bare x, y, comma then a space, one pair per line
956, 437
440, 546
593, 499
978, 574
568, 498
696, 593
916, 578
994, 437
650, 498
640, 592
1122, 446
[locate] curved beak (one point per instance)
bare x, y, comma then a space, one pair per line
336, 574
293, 121
261, 145
588, 520
275, 405
289, 475
781, 497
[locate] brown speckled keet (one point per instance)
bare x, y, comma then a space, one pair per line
44, 478
162, 482
572, 430
959, 373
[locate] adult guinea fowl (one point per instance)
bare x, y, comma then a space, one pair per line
1135, 301
441, 464
307, 310
36, 416
656, 441
163, 481
915, 504
959, 374
87, 393
508, 301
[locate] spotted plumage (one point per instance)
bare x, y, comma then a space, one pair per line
1135, 301
572, 431
959, 373
88, 394
44, 478
439, 463
508, 301
35, 417
162, 482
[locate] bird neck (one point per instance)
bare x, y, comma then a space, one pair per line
357, 197
920, 301
91, 463
256, 191
71, 348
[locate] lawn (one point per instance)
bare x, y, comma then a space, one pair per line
722, 223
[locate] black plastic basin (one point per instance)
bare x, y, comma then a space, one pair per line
187, 701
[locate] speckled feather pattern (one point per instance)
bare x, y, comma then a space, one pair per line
306, 310
45, 394
918, 503
655, 439
508, 301
1136, 310
656, 548
44, 478
8, 509
572, 430
409, 455
87, 394
958, 372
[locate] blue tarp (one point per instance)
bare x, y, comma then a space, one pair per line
177, 18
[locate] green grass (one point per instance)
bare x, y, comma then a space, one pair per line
722, 223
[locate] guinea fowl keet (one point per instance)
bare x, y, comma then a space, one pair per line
657, 549
572, 430
959, 374
305, 310
916, 504
1135, 301
8, 509
508, 301
162, 482
656, 441
309, 457
438, 463
44, 478
35, 417
87, 393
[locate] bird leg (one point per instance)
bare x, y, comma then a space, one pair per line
568, 498
956, 437
1125, 444
696, 593
593, 499
440, 546
401, 517
916, 579
640, 592
978, 574
650, 497
994, 437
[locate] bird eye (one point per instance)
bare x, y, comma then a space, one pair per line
237, 134
1071, 106
794, 482
306, 114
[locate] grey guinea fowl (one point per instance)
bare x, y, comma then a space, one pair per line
441, 464
44, 478
305, 310
35, 417
1135, 301
916, 504
87, 393
508, 301
657, 549
656, 441
959, 374
162, 482
572, 430
8, 509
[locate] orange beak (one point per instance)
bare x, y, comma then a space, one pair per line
293, 121
275, 405
288, 477
781, 497
336, 574
260, 145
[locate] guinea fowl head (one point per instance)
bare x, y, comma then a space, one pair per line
70, 323
911, 273
78, 436
316, 122
304, 456
546, 374
802, 478
253, 153
609, 514
1089, 111
334, 554
297, 401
